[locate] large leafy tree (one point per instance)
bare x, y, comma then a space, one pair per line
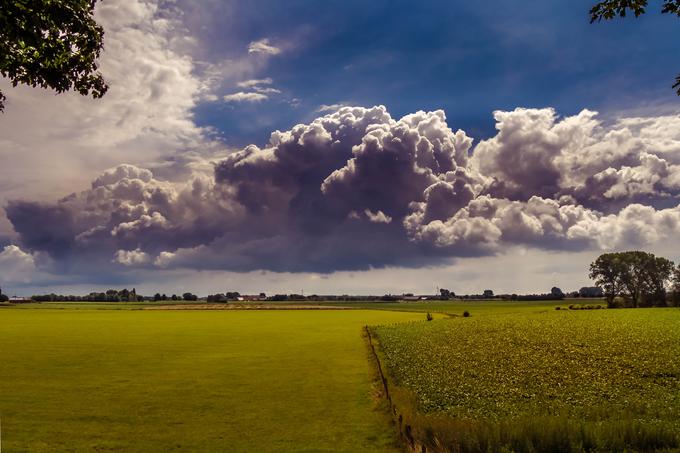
52, 44
611, 9
607, 271
676, 286
641, 276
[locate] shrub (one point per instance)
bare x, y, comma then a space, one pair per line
429, 317
466, 314
617, 302
558, 308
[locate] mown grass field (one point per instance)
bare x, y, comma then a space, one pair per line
600, 380
129, 380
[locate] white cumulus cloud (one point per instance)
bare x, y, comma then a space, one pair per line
243, 96
263, 47
16, 265
132, 257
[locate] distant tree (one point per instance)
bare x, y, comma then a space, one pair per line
218, 298
611, 9
590, 291
446, 294
3, 297
232, 295
52, 44
157, 297
112, 295
174, 297
488, 293
556, 292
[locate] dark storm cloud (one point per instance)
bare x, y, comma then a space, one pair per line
358, 189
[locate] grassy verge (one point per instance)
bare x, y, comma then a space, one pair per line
601, 380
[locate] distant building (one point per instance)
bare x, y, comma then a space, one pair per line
19, 300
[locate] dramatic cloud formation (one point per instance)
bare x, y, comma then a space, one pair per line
636, 160
358, 189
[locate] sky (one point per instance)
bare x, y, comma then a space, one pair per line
345, 147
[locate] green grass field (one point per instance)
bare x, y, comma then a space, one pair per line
599, 380
129, 380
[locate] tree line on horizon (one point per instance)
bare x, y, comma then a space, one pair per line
112, 295
625, 279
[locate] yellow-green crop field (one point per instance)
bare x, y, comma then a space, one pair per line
598, 380
153, 380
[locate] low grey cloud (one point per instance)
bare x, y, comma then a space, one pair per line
359, 189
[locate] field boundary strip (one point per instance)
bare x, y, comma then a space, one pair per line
405, 430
